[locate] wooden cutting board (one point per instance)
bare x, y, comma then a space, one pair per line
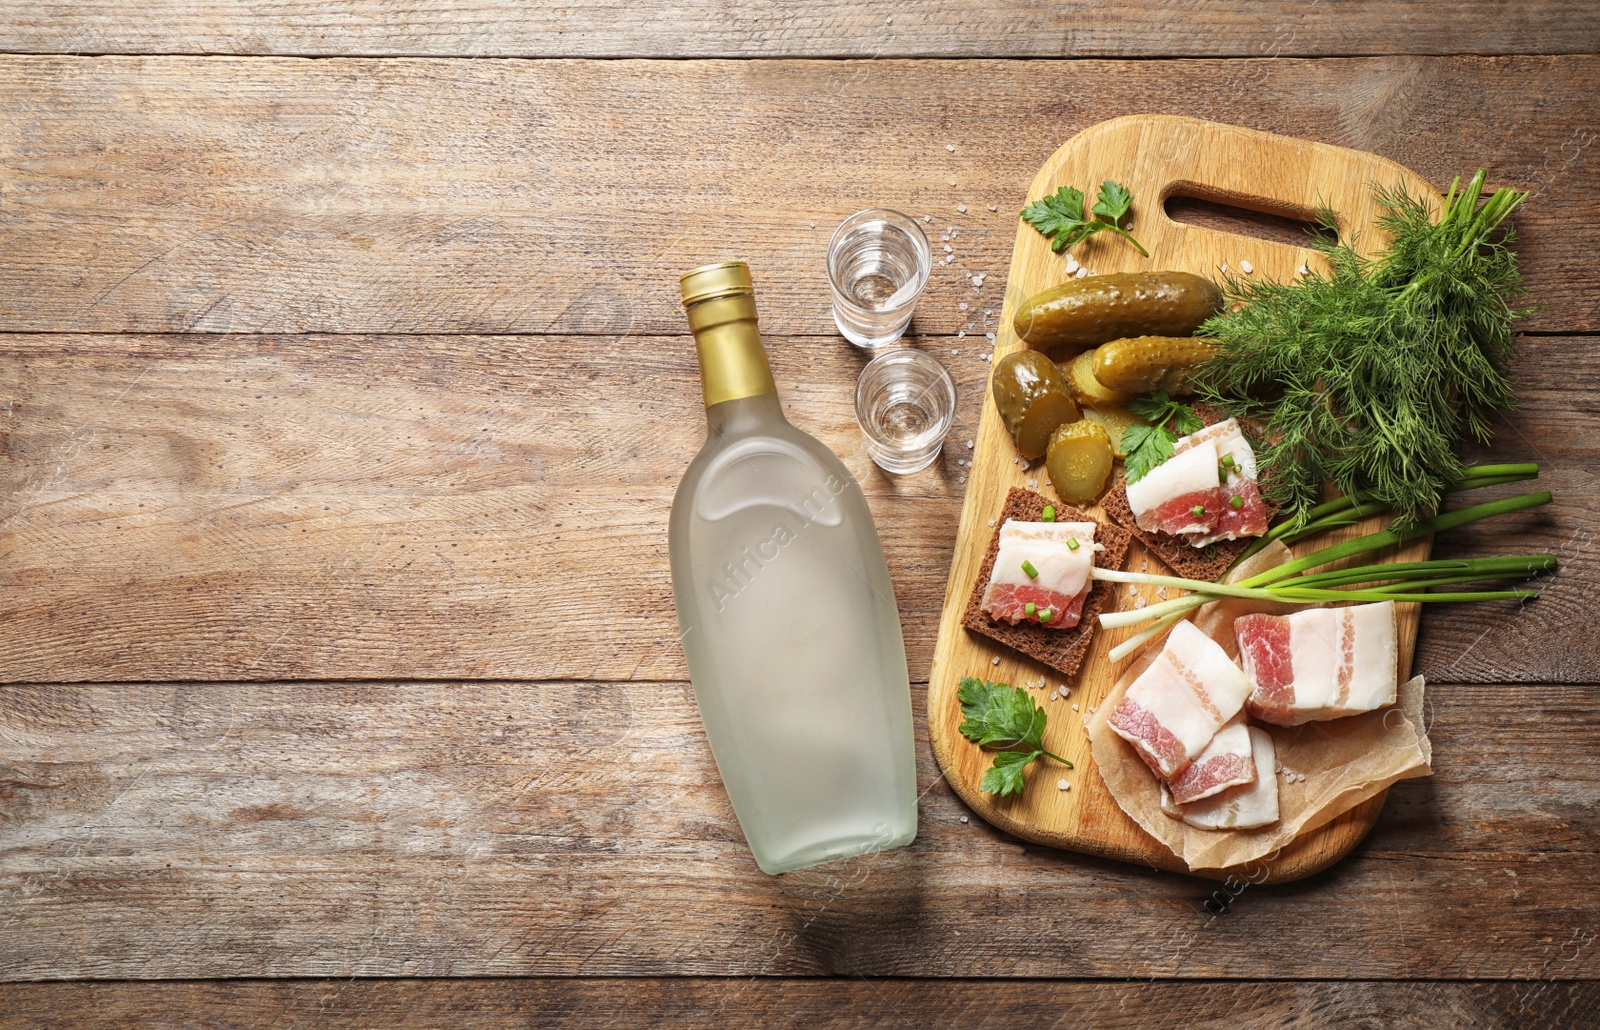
1157, 157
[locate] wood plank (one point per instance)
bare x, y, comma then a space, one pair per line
279, 507
228, 195
701, 28
572, 828
697, 1001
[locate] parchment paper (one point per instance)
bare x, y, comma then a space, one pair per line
1345, 761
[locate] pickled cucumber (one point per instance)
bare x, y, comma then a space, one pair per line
1085, 388
1079, 461
1145, 364
1117, 420
1079, 313
1032, 399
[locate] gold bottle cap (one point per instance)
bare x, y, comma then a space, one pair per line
719, 280
720, 301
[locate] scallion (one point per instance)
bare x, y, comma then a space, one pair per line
1027, 566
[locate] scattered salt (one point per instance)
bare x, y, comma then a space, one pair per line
951, 181
963, 818
950, 147
953, 351
1140, 603
1132, 589
960, 333
1081, 273
995, 660
988, 357
1033, 484
988, 336
1072, 264
991, 523
1074, 707
1161, 592
1224, 269
927, 218
962, 208
1062, 785
889, 19
962, 306
1305, 269
993, 208
813, 225
969, 445
1247, 267
947, 248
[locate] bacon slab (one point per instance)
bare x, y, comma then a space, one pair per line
1178, 704
1237, 808
1320, 663
1225, 762
1192, 494
1060, 584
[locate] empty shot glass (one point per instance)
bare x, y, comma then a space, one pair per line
878, 263
905, 402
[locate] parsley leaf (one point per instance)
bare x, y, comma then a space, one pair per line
1148, 446
1060, 216
1113, 203
1005, 776
1002, 716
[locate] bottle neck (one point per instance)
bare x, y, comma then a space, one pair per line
733, 363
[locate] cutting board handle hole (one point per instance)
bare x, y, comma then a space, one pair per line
1193, 205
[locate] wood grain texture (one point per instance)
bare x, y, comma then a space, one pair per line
573, 828
697, 1002
1150, 155
289, 507
226, 195
789, 28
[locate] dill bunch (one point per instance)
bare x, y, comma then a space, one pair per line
1372, 376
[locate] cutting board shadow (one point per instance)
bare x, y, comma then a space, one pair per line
1157, 157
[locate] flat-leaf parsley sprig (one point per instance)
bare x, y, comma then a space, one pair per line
1148, 446
999, 715
1060, 216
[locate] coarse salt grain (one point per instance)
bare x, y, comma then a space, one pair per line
1224, 269
1305, 269
960, 333
969, 445
950, 147
962, 306
948, 249
1074, 707
988, 357
1081, 273
1062, 785
1072, 264
993, 207
951, 181
988, 336
995, 660
813, 225
1247, 267
961, 208
991, 523
954, 351
963, 818
1033, 484
927, 218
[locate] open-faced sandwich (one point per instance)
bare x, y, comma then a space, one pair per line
1199, 508
1033, 591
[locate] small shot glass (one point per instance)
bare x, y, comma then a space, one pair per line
905, 402
878, 263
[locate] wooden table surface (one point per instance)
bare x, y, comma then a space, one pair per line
343, 392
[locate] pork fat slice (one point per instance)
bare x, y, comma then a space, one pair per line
1178, 704
1183, 496
1321, 663
1225, 762
1237, 808
1061, 581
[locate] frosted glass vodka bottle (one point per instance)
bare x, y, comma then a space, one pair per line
786, 612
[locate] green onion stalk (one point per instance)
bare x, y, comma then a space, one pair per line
1294, 582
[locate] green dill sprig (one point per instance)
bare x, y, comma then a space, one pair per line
1373, 375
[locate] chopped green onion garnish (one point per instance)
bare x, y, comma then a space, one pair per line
1072, 543
1198, 510
1030, 609
1045, 615
1227, 459
1027, 566
1222, 474
1049, 514
1236, 501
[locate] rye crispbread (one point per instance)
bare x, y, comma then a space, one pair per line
1061, 649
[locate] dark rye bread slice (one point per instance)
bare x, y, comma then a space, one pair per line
1061, 649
